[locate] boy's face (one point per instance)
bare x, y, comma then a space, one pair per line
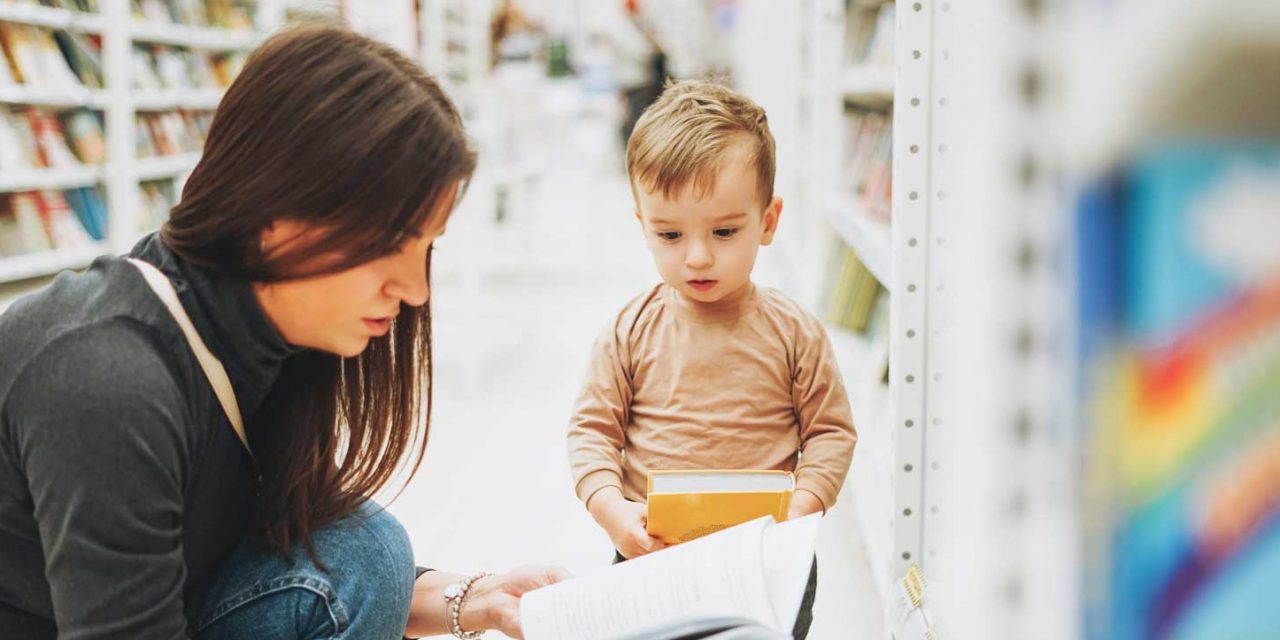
706, 248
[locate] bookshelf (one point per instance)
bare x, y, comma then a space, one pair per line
874, 172
56, 179
50, 17
169, 166
144, 79
868, 238
46, 262
61, 98
868, 82
210, 38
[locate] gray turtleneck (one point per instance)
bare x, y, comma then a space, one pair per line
122, 485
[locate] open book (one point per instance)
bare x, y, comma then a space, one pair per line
684, 505
756, 571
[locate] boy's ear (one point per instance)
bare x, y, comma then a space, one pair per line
771, 215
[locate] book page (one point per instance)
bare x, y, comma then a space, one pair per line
717, 575
787, 549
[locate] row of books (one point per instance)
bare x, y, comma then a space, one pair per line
52, 60
84, 6
155, 199
1178, 328
162, 67
853, 293
36, 138
226, 14
171, 132
867, 175
869, 36
37, 221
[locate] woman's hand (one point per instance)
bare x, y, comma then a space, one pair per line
624, 521
494, 601
803, 503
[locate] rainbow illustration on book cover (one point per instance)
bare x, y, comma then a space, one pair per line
1179, 336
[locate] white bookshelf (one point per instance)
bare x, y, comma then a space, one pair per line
44, 263
161, 167
207, 38
54, 98
119, 104
50, 17
867, 237
871, 82
170, 99
56, 179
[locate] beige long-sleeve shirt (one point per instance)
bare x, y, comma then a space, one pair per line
752, 384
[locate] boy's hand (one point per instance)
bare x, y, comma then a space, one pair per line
803, 503
624, 521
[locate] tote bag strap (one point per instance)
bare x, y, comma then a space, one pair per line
213, 369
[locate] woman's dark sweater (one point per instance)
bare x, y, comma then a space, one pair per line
122, 483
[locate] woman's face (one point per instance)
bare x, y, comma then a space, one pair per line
340, 312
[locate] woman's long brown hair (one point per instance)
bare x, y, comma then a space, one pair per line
342, 133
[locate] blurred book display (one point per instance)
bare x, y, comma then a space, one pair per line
684, 505
55, 155
1180, 339
755, 571
225, 14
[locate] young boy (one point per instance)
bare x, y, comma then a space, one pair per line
706, 370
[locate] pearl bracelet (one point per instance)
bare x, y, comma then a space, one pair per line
454, 596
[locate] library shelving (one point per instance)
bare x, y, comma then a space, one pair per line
132, 83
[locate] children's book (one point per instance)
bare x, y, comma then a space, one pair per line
754, 572
684, 505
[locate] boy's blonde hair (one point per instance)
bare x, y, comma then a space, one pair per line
687, 133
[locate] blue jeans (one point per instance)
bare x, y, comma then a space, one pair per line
365, 594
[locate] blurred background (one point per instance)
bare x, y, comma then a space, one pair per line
1044, 235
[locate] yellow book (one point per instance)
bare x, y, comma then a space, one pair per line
684, 505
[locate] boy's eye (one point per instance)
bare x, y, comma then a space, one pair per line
669, 236
724, 233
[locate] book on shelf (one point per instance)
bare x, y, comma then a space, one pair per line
32, 138
157, 198
170, 133
84, 130
83, 52
226, 67
83, 6
7, 76
868, 169
35, 59
60, 222
37, 221
51, 144
173, 67
684, 505
230, 14
17, 144
90, 209
755, 572
25, 230
225, 14
159, 67
869, 35
852, 291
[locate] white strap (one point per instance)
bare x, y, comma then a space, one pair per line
213, 369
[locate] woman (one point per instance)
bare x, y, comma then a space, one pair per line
300, 255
